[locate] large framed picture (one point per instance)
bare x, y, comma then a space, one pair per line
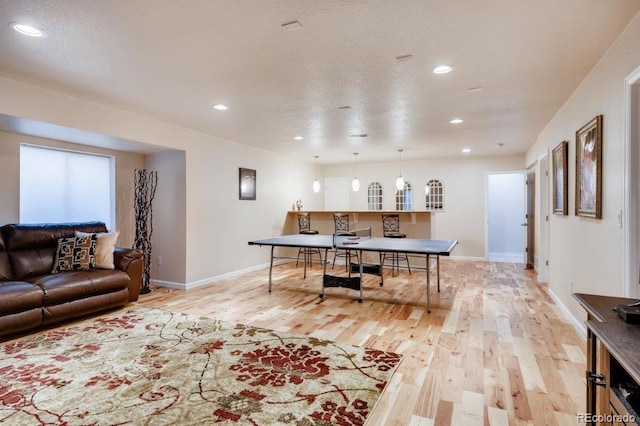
589, 169
560, 174
247, 183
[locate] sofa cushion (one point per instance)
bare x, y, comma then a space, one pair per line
75, 254
32, 248
18, 296
72, 285
20, 321
105, 246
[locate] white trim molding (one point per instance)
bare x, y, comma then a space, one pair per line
631, 175
580, 327
211, 280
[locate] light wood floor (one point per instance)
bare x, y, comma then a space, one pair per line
495, 349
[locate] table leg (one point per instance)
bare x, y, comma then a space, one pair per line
438, 270
428, 286
361, 268
324, 271
306, 253
271, 268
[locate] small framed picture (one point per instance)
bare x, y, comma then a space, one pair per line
560, 185
247, 184
589, 169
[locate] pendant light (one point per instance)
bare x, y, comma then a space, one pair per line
316, 184
355, 184
400, 180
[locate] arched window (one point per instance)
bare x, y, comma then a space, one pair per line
404, 198
374, 196
434, 195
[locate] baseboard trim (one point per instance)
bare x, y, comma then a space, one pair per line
577, 324
211, 280
478, 259
506, 257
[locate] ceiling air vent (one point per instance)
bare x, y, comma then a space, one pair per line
404, 58
292, 26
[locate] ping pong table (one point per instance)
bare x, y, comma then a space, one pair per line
361, 242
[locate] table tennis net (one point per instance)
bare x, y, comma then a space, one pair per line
352, 236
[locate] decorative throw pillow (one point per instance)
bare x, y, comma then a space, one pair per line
105, 246
75, 254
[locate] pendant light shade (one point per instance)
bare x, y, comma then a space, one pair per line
355, 184
316, 184
400, 180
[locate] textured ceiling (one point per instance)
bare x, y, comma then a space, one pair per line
173, 60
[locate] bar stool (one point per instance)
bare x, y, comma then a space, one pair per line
304, 227
341, 226
391, 229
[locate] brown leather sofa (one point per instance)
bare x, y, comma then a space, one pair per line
32, 297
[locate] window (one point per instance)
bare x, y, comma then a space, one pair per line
434, 195
65, 186
404, 198
374, 196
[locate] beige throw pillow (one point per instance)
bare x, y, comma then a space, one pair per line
105, 246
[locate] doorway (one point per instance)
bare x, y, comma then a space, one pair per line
506, 203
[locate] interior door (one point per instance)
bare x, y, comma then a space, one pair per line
336, 194
530, 222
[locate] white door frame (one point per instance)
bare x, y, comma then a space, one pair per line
543, 218
631, 185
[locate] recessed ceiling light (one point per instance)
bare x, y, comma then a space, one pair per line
442, 69
474, 89
456, 121
27, 30
466, 150
291, 26
344, 107
298, 138
361, 135
499, 144
220, 107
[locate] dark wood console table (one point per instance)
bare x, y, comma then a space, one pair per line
613, 362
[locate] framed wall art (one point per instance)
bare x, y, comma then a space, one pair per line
560, 175
247, 184
589, 169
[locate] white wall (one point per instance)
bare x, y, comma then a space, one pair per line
587, 251
464, 179
218, 225
169, 217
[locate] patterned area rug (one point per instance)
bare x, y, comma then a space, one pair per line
150, 366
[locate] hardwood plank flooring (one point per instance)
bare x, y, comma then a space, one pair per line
495, 349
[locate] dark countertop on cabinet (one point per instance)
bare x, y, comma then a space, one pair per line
621, 339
